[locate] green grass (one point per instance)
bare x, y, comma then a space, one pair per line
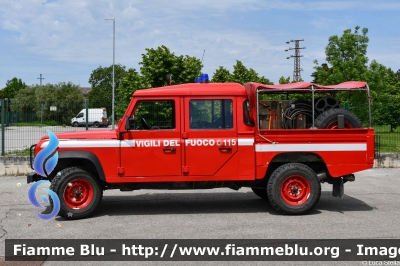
24, 152
385, 129
389, 142
36, 124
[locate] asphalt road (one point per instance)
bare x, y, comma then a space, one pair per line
369, 209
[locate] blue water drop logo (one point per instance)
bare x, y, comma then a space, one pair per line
35, 202
46, 160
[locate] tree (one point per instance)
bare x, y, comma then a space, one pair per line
24, 101
385, 87
101, 82
283, 80
324, 72
240, 75
387, 113
158, 63
131, 82
398, 74
66, 97
346, 58
243, 75
221, 75
12, 87
264, 80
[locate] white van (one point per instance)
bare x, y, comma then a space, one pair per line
97, 117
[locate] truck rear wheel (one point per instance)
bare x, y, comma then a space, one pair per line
261, 192
96, 124
293, 188
78, 191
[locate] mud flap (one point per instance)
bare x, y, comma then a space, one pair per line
337, 187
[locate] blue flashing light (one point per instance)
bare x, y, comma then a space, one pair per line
202, 79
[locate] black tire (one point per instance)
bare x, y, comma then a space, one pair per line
290, 179
75, 124
96, 124
328, 119
261, 192
77, 206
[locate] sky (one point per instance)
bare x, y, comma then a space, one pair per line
65, 40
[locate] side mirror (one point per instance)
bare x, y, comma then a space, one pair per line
130, 123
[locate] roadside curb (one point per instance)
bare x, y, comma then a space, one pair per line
14, 165
388, 160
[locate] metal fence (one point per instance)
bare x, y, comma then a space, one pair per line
386, 122
20, 130
21, 127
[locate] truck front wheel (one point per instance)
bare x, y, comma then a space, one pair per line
79, 192
293, 188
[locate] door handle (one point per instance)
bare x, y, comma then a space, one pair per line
169, 150
225, 149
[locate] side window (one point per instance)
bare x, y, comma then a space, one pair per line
210, 114
246, 113
79, 115
155, 115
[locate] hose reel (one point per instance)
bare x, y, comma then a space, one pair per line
298, 107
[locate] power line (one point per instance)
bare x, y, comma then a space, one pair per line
297, 70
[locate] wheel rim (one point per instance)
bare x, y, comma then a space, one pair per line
295, 190
334, 125
78, 193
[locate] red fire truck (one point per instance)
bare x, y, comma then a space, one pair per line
282, 141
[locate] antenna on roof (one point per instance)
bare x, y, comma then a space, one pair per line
201, 62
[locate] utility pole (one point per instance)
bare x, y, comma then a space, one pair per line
113, 74
40, 79
296, 56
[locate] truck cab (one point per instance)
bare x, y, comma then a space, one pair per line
185, 130
211, 135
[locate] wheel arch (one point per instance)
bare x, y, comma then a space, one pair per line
312, 160
80, 158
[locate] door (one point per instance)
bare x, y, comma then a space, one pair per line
210, 135
153, 149
80, 118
